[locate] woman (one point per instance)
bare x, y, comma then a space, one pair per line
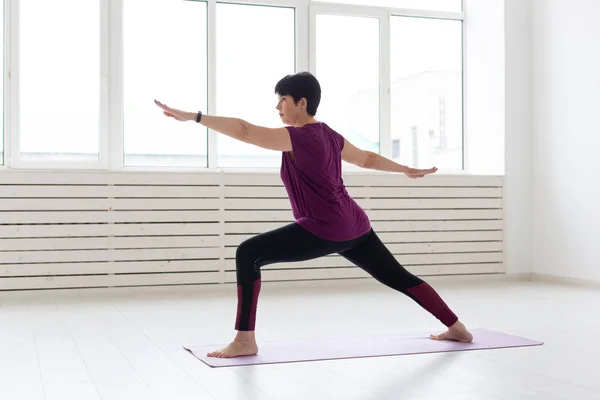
327, 219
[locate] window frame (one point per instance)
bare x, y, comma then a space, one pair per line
385, 14
111, 88
12, 86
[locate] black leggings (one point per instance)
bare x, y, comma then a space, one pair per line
292, 243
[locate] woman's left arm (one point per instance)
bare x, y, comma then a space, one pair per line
267, 138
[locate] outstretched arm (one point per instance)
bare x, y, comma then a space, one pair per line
267, 138
370, 160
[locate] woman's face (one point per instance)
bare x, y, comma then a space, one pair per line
288, 110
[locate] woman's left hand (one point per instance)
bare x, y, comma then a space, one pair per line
414, 173
174, 113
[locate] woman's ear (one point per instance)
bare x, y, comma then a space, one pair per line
303, 103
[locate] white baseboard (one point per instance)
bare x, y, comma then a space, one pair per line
563, 280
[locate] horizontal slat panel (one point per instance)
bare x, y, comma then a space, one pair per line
374, 192
55, 223
53, 204
25, 191
41, 177
381, 215
123, 267
353, 272
106, 204
406, 260
408, 237
373, 179
424, 248
108, 243
91, 281
166, 204
33, 231
379, 226
388, 204
63, 217
17, 257
437, 180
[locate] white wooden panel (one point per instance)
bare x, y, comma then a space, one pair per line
437, 180
381, 215
379, 226
144, 228
68, 217
42, 177
137, 229
123, 267
408, 226
93, 281
408, 237
353, 272
373, 179
54, 204
388, 204
14, 204
373, 192
165, 204
15, 257
405, 259
108, 243
163, 191
24, 191
423, 248
265, 192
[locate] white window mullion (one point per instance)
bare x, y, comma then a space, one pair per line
12, 105
465, 82
104, 91
385, 87
114, 56
312, 40
303, 55
213, 136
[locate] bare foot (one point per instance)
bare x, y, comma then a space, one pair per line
236, 349
457, 332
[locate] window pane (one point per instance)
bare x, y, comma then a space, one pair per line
59, 80
427, 95
432, 5
348, 69
164, 47
255, 49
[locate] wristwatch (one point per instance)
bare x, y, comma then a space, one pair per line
199, 116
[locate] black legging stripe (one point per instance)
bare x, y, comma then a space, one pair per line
292, 243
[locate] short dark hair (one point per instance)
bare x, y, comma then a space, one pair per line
299, 85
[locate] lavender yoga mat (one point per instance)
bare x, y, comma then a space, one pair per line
357, 347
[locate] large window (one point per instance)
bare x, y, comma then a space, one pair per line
347, 66
164, 58
84, 76
427, 92
59, 80
255, 48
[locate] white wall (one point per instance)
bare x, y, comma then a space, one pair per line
484, 68
518, 121
566, 175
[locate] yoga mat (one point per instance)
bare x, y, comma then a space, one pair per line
358, 347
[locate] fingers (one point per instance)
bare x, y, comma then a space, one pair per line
163, 106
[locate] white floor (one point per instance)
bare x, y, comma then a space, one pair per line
126, 343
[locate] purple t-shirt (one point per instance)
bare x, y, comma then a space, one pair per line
312, 176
